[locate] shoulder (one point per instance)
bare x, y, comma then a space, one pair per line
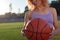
53, 11
28, 13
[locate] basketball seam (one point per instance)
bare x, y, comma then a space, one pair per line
37, 29
42, 30
45, 27
35, 32
32, 31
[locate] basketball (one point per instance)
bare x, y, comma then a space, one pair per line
37, 29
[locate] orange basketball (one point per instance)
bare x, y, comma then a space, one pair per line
37, 29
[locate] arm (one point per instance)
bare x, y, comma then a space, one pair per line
27, 17
55, 21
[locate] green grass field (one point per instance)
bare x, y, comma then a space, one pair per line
11, 31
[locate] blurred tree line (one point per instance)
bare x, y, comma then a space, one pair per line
56, 4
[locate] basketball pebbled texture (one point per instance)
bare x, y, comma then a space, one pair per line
38, 29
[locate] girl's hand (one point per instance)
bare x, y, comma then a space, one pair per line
25, 27
54, 33
22, 32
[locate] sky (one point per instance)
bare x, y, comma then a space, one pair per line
16, 5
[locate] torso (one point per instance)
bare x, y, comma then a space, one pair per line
47, 16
